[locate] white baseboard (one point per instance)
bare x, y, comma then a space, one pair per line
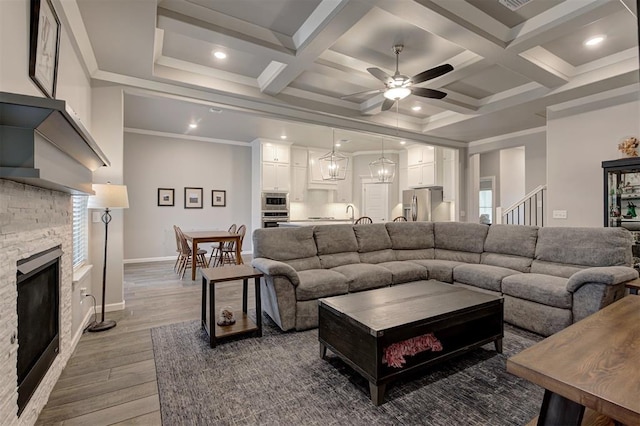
76, 337
163, 259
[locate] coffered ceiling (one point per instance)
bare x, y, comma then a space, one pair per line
289, 62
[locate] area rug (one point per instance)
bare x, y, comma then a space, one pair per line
279, 379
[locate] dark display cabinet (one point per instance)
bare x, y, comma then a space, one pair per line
622, 196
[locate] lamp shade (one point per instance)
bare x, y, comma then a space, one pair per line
109, 196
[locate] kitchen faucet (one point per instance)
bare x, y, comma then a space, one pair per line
350, 205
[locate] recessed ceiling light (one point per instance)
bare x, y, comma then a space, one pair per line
219, 54
338, 144
215, 110
403, 142
416, 108
193, 125
594, 41
283, 137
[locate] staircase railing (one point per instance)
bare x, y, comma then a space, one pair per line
527, 211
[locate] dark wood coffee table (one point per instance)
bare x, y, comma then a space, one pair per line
359, 326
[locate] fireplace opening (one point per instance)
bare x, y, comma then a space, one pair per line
38, 284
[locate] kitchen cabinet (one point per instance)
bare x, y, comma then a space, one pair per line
275, 177
298, 157
298, 184
344, 189
275, 153
448, 179
420, 154
421, 175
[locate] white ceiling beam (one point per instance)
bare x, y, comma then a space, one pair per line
228, 24
335, 23
204, 70
562, 19
423, 16
466, 13
70, 15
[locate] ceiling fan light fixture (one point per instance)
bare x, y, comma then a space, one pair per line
397, 93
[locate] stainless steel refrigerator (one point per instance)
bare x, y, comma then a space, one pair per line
425, 204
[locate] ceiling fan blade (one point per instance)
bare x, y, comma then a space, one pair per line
380, 75
360, 94
432, 73
428, 93
387, 104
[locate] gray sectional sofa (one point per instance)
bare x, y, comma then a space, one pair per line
549, 277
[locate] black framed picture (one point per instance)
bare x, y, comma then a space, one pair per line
165, 197
44, 46
192, 198
218, 198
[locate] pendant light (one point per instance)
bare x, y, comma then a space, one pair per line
333, 165
383, 170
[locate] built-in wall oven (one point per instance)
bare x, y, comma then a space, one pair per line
275, 201
270, 219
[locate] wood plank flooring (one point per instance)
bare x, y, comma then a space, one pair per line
111, 376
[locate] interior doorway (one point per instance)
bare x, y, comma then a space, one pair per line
486, 203
375, 200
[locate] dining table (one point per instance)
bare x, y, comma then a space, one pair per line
197, 237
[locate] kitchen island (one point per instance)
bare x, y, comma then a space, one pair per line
299, 223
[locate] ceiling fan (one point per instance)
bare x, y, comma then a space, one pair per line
399, 86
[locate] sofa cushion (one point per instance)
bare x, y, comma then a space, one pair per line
284, 243
555, 269
304, 263
518, 263
329, 261
410, 235
515, 240
439, 270
545, 289
372, 237
331, 239
414, 254
482, 276
541, 319
364, 276
585, 246
316, 283
459, 236
404, 272
457, 256
377, 256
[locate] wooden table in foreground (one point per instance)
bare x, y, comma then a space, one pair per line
594, 363
633, 286
243, 325
197, 237
359, 326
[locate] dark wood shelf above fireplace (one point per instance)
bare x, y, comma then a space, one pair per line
43, 144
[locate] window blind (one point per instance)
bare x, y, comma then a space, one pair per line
80, 230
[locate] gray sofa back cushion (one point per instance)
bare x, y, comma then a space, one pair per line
304, 263
414, 254
337, 245
515, 240
459, 241
378, 256
585, 246
372, 237
411, 235
284, 243
519, 263
555, 269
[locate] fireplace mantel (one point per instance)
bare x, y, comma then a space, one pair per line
43, 144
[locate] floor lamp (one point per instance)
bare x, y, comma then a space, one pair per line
106, 197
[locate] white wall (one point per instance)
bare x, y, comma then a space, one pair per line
512, 167
152, 162
576, 146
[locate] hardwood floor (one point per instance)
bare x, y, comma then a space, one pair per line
111, 377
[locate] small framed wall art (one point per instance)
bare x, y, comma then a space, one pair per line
165, 197
218, 198
44, 46
192, 198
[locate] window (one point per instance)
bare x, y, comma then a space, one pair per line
486, 200
80, 230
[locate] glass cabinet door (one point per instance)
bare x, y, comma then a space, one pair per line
622, 196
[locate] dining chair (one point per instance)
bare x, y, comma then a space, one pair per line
400, 219
216, 249
186, 255
229, 250
363, 219
178, 248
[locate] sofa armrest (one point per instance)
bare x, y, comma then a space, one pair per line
608, 275
276, 268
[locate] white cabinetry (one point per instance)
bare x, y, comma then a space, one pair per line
449, 173
344, 189
421, 166
298, 175
275, 167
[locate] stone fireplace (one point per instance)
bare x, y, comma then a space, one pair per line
32, 220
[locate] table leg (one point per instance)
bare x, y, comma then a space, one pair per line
239, 260
194, 262
323, 351
258, 306
498, 344
377, 393
558, 410
212, 314
203, 316
245, 285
